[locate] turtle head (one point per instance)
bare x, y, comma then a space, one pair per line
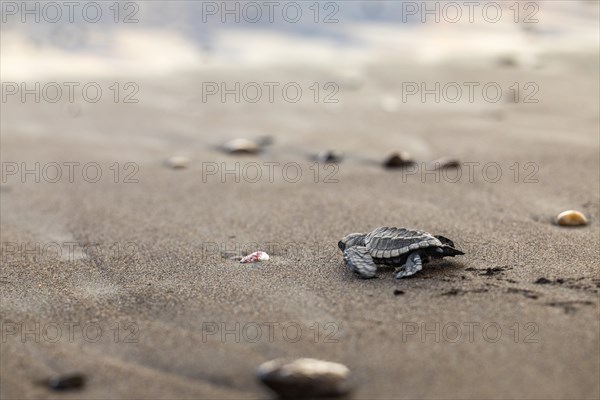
445, 241
353, 239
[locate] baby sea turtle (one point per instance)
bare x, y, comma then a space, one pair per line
395, 247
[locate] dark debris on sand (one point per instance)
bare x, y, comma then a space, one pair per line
569, 306
492, 271
66, 382
530, 294
456, 292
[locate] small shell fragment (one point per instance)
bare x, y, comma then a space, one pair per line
445, 163
329, 156
571, 218
305, 378
177, 162
241, 146
255, 257
398, 160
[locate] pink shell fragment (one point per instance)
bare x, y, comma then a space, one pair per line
255, 257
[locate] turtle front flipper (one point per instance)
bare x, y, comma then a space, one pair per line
359, 260
412, 266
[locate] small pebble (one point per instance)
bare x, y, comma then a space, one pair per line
241, 146
265, 140
255, 257
507, 60
305, 378
398, 292
446, 162
329, 156
178, 162
398, 160
571, 218
66, 382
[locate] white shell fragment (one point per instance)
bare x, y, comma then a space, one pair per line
241, 146
571, 218
255, 257
305, 378
177, 162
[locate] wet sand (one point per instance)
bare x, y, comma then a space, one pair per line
162, 289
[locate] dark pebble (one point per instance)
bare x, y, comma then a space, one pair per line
66, 382
398, 292
398, 160
329, 156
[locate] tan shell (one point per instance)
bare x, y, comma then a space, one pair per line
305, 378
571, 218
241, 146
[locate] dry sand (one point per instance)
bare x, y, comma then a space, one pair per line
166, 294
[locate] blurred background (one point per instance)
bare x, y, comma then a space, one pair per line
140, 38
169, 61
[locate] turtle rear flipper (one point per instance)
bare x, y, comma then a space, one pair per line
359, 260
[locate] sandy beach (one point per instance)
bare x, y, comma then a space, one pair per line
179, 319
120, 268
